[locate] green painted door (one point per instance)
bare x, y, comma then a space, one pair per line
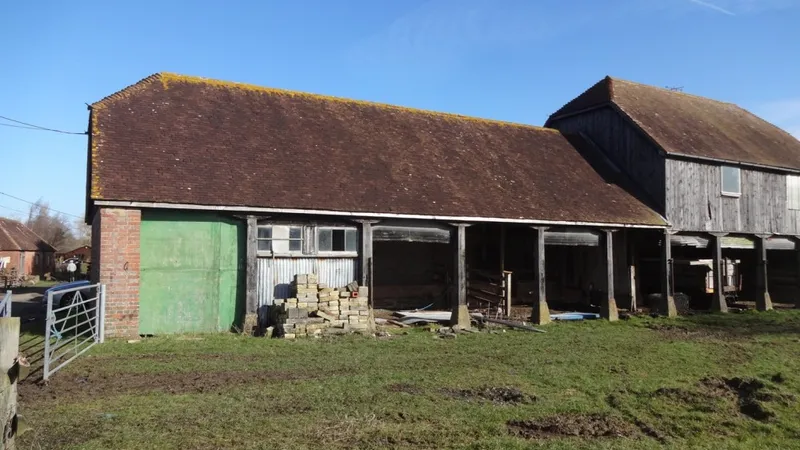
191, 272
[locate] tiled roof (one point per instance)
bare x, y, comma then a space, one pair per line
188, 140
14, 236
689, 125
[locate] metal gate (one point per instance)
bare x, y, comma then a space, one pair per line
75, 319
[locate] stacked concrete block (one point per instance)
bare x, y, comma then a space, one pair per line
317, 309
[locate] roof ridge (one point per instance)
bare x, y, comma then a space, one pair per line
669, 91
167, 77
5, 221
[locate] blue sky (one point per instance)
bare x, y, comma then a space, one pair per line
511, 60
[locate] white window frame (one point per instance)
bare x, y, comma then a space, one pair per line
793, 192
722, 181
270, 252
345, 253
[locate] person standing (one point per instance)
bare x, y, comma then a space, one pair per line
71, 268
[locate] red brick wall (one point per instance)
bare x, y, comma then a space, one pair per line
115, 248
45, 262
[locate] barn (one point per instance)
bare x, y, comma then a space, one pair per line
207, 197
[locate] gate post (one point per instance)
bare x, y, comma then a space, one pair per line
46, 359
101, 314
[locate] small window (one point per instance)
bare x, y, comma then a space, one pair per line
731, 181
337, 240
793, 192
280, 239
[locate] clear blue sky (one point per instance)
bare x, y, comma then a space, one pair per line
511, 60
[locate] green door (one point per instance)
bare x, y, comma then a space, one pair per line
191, 272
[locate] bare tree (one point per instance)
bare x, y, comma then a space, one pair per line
53, 227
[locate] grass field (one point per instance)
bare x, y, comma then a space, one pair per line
705, 381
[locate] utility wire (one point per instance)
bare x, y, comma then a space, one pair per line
32, 203
12, 209
19, 126
40, 128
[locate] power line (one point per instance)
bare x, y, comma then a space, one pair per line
19, 126
32, 203
12, 209
40, 128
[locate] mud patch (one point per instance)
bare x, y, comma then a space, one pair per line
748, 395
497, 395
572, 425
102, 384
405, 388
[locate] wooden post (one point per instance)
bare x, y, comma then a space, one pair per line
763, 300
366, 254
251, 266
502, 248
609, 307
9, 352
797, 272
667, 303
718, 302
541, 312
460, 315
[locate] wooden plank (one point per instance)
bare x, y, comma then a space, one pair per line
513, 324
251, 266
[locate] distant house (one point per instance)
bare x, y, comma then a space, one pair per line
24, 250
723, 178
84, 253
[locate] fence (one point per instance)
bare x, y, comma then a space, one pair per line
75, 322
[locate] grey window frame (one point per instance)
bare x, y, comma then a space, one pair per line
738, 179
347, 253
272, 238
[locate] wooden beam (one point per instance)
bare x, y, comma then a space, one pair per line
251, 266
366, 255
718, 302
667, 305
541, 312
763, 300
460, 314
609, 307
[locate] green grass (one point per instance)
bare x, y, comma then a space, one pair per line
228, 391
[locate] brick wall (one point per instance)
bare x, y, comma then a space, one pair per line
115, 256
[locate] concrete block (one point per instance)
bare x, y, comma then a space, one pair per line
359, 326
323, 287
301, 279
302, 304
289, 336
312, 278
344, 294
363, 291
363, 313
313, 286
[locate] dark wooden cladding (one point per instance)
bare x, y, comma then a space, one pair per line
625, 146
695, 201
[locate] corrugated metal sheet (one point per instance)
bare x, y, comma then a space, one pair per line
572, 238
275, 275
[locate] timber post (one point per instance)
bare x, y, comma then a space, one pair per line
251, 321
608, 309
541, 312
718, 302
460, 315
763, 300
667, 306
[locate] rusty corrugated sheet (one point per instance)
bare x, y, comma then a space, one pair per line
275, 275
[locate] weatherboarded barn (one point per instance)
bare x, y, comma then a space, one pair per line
206, 197
718, 173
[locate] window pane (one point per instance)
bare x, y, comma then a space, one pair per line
730, 180
295, 245
351, 241
325, 241
338, 240
264, 245
264, 232
295, 233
